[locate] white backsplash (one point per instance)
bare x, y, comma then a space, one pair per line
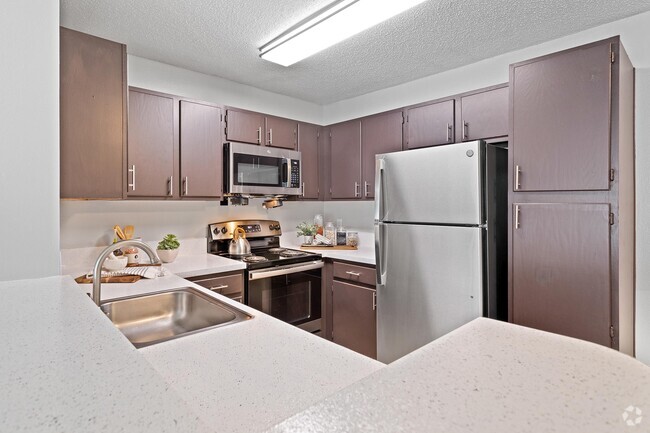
356, 215
90, 223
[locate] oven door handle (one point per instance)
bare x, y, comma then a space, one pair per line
283, 270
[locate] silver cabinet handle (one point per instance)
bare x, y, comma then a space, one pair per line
448, 132
270, 136
517, 212
259, 135
219, 287
517, 177
465, 130
132, 171
303, 189
365, 189
171, 186
374, 301
354, 274
185, 187
356, 189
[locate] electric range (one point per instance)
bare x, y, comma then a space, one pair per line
282, 282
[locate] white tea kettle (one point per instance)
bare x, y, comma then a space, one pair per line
239, 246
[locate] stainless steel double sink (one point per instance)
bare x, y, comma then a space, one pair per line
155, 317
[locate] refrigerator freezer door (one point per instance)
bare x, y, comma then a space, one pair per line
440, 185
432, 285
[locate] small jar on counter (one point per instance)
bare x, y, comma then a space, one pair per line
330, 232
341, 237
352, 239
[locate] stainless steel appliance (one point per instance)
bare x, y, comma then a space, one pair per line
260, 170
440, 242
282, 282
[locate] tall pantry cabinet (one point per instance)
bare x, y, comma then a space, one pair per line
571, 172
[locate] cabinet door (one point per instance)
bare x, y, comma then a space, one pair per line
561, 269
485, 114
308, 147
354, 318
281, 132
151, 145
93, 90
561, 117
201, 151
430, 125
244, 126
379, 134
345, 163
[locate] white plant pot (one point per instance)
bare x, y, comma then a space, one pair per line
167, 256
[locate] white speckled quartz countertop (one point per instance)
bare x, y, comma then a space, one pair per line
364, 254
489, 376
239, 378
65, 368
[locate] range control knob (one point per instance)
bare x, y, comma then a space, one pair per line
224, 230
216, 231
276, 227
271, 227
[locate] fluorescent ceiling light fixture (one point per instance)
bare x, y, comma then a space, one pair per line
329, 26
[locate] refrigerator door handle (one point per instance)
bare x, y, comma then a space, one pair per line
379, 254
379, 180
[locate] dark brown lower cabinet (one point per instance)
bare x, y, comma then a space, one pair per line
229, 284
354, 318
561, 269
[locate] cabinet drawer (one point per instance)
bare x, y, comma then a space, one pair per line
358, 274
231, 286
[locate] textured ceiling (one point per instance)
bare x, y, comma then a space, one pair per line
221, 37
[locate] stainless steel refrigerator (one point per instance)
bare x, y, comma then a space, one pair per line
440, 242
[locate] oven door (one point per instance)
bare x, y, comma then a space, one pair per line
290, 293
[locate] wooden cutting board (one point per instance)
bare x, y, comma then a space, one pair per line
118, 279
329, 247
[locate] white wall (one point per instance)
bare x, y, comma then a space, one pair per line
90, 223
158, 76
643, 215
29, 119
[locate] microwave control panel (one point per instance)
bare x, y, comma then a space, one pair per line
295, 173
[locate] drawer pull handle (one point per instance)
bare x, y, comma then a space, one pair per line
354, 274
219, 287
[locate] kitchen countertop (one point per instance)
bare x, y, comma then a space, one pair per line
364, 254
243, 377
65, 368
490, 376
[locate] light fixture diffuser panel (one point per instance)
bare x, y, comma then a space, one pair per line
354, 19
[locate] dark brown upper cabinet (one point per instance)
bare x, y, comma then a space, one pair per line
152, 152
561, 269
430, 125
245, 126
345, 161
93, 116
484, 114
257, 128
281, 132
381, 133
560, 120
201, 150
308, 137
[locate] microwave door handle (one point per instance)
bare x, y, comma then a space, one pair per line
286, 166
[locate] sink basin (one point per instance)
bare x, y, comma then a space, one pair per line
161, 316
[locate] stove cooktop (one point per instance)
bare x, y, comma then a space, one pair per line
277, 256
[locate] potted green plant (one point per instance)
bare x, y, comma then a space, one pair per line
168, 248
307, 231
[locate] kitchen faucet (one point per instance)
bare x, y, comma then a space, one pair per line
97, 270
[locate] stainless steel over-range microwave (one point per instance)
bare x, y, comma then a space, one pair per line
261, 170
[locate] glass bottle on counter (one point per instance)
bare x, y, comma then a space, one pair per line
352, 239
318, 222
330, 232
